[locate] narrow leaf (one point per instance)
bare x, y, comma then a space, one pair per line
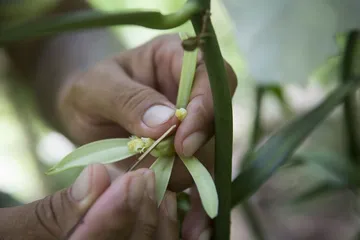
281, 145
317, 191
340, 169
103, 151
162, 168
204, 184
187, 75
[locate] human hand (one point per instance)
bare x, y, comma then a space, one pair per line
134, 93
100, 205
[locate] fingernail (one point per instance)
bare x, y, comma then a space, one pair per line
81, 186
192, 143
150, 184
157, 115
137, 188
171, 206
205, 235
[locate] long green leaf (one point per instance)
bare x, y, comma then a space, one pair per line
339, 168
317, 191
162, 168
281, 145
187, 76
103, 151
91, 19
204, 184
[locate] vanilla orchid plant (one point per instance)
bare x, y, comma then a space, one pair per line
117, 149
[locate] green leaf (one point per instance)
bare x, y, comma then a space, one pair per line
204, 184
162, 168
339, 168
317, 191
281, 145
187, 75
103, 151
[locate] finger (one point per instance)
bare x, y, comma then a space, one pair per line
54, 216
196, 225
146, 223
168, 228
115, 213
108, 93
197, 127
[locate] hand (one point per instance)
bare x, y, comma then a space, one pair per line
134, 93
100, 205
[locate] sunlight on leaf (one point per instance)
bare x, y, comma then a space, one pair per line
272, 35
204, 183
103, 151
162, 168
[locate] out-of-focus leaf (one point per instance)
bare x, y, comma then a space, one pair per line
162, 168
7, 201
273, 35
204, 184
317, 191
103, 151
41, 27
183, 201
281, 145
339, 168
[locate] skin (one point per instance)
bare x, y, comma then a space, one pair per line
89, 88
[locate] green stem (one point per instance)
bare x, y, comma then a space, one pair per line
350, 102
91, 19
188, 70
223, 124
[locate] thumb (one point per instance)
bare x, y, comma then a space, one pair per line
55, 216
135, 106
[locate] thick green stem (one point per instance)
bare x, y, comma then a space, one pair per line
223, 124
350, 102
91, 19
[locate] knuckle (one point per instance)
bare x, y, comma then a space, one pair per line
149, 228
132, 98
47, 217
200, 108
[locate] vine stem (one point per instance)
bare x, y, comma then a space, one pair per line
92, 19
223, 122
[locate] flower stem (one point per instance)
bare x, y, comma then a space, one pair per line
187, 76
92, 19
223, 123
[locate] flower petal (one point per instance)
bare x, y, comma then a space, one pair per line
103, 151
205, 185
162, 168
